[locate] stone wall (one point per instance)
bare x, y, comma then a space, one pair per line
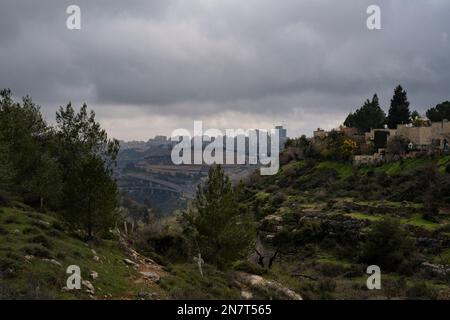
437, 133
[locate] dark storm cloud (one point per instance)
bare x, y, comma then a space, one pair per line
306, 63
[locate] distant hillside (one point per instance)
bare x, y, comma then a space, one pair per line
172, 184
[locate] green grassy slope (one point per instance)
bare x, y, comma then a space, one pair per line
36, 249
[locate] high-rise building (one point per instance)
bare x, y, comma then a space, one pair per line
283, 136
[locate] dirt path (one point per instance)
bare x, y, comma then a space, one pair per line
148, 270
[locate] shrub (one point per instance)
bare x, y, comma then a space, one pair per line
58, 226
447, 168
394, 288
39, 224
5, 199
387, 245
277, 199
421, 291
172, 247
6, 292
54, 233
31, 230
35, 290
61, 256
11, 220
3, 231
8, 267
248, 267
42, 240
327, 285
37, 250
331, 269
34, 215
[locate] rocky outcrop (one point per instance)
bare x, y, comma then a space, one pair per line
271, 223
437, 268
252, 284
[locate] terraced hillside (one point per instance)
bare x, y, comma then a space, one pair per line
322, 224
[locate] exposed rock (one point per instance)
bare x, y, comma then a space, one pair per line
153, 276
89, 287
130, 263
270, 237
271, 223
259, 283
55, 262
247, 295
96, 258
343, 228
94, 275
148, 260
437, 268
147, 295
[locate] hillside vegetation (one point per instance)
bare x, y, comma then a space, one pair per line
313, 220
326, 221
308, 232
37, 248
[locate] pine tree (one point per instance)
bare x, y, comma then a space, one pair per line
220, 231
87, 157
26, 139
369, 116
6, 168
399, 112
440, 112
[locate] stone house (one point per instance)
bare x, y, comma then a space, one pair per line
429, 138
433, 136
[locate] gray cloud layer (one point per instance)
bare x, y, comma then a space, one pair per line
148, 67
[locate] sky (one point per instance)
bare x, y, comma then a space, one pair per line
148, 67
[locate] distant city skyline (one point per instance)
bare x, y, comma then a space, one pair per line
167, 138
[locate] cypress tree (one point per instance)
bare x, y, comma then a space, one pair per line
399, 112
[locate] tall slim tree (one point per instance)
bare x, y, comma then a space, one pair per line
87, 157
399, 112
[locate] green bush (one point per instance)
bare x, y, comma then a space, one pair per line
37, 250
387, 245
11, 220
421, 291
31, 230
42, 240
331, 269
39, 224
3, 231
5, 199
248, 267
